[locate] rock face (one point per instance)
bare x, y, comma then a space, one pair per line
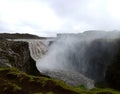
16, 54
113, 72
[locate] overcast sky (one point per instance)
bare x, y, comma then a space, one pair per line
46, 17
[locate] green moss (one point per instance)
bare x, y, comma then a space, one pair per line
17, 79
50, 93
82, 87
13, 86
104, 91
22, 83
38, 93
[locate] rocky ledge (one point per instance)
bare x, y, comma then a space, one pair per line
16, 54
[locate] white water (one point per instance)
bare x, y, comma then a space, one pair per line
37, 49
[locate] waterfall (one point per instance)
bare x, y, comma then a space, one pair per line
76, 59
37, 49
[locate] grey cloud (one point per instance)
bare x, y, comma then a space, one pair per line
74, 13
65, 7
79, 11
26, 23
3, 27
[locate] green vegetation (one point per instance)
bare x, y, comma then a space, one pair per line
13, 81
104, 91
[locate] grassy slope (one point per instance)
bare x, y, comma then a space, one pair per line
13, 81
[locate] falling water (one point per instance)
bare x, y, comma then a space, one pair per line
37, 49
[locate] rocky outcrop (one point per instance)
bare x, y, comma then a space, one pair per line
16, 54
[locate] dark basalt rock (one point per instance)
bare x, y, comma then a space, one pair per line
113, 72
16, 54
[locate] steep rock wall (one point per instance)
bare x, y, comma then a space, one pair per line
17, 54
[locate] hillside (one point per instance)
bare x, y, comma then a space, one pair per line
13, 81
19, 36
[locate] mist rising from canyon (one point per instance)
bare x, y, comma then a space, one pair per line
89, 54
